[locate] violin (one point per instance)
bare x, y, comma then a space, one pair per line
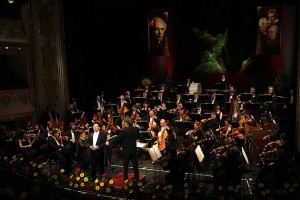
185, 117
206, 120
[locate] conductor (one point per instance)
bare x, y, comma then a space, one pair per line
128, 138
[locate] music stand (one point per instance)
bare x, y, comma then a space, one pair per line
183, 126
138, 92
205, 98
141, 146
188, 97
263, 98
171, 104
208, 107
110, 151
143, 124
220, 86
220, 98
139, 100
245, 97
153, 102
145, 136
190, 105
196, 117
155, 154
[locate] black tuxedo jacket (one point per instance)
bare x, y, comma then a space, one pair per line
100, 141
52, 145
128, 138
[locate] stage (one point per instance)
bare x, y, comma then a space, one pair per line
198, 183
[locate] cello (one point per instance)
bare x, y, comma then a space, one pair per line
162, 136
110, 124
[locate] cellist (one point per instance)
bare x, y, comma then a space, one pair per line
166, 137
122, 105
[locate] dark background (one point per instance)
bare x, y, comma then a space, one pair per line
107, 43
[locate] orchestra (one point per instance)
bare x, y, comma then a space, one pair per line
171, 124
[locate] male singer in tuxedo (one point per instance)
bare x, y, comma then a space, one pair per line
128, 138
97, 141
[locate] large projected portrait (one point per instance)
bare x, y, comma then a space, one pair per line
158, 34
268, 31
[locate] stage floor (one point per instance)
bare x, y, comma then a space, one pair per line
153, 172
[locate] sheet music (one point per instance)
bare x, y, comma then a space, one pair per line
199, 153
154, 153
141, 144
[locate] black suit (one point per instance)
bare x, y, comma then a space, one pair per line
69, 143
97, 156
57, 151
128, 138
95, 106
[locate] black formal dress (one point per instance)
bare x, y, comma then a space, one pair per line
83, 152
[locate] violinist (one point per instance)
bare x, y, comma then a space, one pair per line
229, 170
199, 111
57, 150
25, 146
181, 116
46, 131
211, 123
219, 113
162, 111
239, 136
224, 131
71, 138
274, 164
223, 149
195, 135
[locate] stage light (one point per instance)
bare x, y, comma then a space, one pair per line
11, 1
